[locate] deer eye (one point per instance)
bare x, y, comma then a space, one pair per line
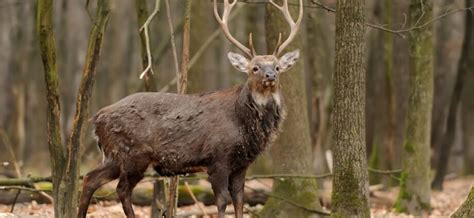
277, 68
255, 69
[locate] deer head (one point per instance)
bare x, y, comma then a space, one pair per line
263, 70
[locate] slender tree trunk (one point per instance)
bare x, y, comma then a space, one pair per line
466, 64
467, 102
291, 152
159, 194
350, 183
65, 165
375, 99
389, 135
71, 176
414, 195
181, 89
48, 55
319, 66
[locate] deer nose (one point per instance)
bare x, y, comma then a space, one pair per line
270, 76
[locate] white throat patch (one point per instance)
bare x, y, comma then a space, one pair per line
262, 100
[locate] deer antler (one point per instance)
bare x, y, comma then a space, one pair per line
225, 28
294, 26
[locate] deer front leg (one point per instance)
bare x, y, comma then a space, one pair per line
236, 189
220, 183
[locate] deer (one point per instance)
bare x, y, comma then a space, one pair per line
220, 132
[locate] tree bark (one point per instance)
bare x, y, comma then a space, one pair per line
414, 195
71, 176
291, 152
467, 102
202, 76
466, 64
350, 182
65, 165
319, 62
467, 208
48, 56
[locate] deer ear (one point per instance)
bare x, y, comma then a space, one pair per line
288, 60
238, 61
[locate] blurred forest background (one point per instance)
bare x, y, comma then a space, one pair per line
22, 86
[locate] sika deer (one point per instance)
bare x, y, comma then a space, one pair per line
220, 132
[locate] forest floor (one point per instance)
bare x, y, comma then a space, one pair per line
443, 203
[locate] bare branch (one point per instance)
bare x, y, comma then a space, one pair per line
147, 39
194, 198
173, 45
325, 213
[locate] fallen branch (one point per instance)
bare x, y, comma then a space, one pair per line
293, 176
195, 199
384, 171
326, 213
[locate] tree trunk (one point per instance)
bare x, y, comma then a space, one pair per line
375, 100
414, 195
202, 74
48, 56
65, 165
466, 64
71, 175
319, 61
467, 102
291, 152
467, 208
350, 182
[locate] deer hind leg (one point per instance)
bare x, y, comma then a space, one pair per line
129, 178
101, 175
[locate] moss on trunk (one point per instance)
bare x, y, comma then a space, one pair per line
291, 152
414, 196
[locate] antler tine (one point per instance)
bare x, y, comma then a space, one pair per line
294, 26
225, 28
252, 49
277, 45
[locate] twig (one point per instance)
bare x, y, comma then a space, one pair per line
194, 198
173, 45
384, 171
14, 200
249, 210
401, 31
6, 188
291, 202
147, 39
323, 6
7, 142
